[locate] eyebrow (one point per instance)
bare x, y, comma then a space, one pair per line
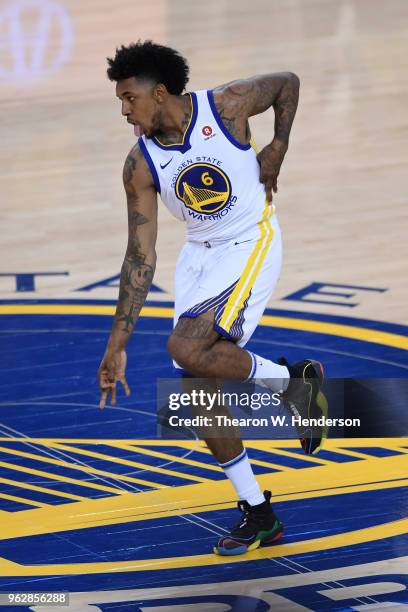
125, 93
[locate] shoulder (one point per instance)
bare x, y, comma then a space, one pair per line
136, 169
232, 95
134, 157
231, 104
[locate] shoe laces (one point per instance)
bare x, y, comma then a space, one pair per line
249, 515
247, 518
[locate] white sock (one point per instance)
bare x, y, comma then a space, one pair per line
269, 374
241, 476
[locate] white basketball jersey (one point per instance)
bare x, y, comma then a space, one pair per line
209, 180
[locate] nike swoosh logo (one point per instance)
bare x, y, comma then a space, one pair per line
242, 241
164, 166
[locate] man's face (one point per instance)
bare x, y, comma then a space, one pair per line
140, 104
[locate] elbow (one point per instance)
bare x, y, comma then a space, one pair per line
150, 257
293, 80
150, 260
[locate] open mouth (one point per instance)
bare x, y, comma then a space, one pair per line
137, 128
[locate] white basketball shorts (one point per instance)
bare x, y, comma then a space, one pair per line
235, 278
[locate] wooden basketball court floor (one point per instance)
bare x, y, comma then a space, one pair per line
92, 502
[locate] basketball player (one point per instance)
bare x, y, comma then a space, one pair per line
194, 150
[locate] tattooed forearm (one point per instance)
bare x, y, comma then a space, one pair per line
138, 268
285, 107
140, 259
135, 280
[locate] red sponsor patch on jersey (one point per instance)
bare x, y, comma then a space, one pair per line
207, 130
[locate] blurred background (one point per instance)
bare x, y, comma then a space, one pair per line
342, 190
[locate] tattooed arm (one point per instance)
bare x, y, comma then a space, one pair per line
140, 257
136, 273
239, 100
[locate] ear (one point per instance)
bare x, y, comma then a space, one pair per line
160, 92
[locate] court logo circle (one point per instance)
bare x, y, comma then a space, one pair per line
203, 188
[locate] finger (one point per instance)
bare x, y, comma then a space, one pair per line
268, 191
113, 394
103, 383
102, 401
275, 184
125, 386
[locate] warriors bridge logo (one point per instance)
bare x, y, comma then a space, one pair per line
203, 188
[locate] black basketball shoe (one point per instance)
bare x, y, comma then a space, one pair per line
304, 400
259, 526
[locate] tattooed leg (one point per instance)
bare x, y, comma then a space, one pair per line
224, 441
197, 347
195, 338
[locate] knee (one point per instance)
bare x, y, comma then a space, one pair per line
182, 352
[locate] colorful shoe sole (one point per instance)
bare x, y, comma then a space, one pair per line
241, 550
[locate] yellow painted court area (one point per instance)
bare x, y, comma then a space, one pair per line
323, 478
129, 507
322, 327
360, 536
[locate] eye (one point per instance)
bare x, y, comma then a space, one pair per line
131, 98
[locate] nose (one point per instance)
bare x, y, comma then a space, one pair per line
125, 109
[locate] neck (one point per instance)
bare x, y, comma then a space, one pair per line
175, 119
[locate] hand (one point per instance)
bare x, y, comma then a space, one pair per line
270, 160
112, 370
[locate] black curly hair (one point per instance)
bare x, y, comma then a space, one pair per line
149, 60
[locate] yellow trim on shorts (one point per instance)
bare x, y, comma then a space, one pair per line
251, 271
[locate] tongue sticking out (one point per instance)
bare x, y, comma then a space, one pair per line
138, 130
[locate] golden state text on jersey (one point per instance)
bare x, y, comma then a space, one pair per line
208, 179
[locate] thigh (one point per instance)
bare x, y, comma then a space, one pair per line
194, 335
198, 331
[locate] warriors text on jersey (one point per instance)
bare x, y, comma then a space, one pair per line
210, 180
